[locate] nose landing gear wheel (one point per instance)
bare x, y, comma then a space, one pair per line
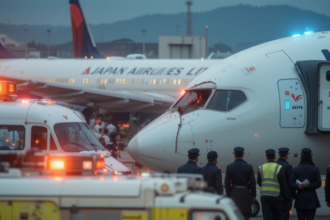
255, 208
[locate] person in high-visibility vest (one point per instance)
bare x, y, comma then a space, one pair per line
274, 188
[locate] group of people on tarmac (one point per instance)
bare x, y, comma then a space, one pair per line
108, 137
280, 183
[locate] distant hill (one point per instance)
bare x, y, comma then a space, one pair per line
237, 26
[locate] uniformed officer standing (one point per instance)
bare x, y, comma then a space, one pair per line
306, 200
191, 165
287, 169
327, 187
240, 183
212, 174
271, 179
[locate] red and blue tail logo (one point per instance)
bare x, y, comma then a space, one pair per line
83, 43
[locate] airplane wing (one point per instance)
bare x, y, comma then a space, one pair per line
115, 101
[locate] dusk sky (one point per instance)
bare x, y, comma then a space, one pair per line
56, 12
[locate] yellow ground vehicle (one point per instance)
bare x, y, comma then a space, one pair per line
110, 197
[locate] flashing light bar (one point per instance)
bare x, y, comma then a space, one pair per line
46, 101
100, 164
145, 174
75, 164
11, 88
87, 165
57, 165
25, 101
7, 88
308, 33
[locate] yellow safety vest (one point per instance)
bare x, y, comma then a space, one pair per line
269, 184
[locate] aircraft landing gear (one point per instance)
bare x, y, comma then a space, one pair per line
255, 208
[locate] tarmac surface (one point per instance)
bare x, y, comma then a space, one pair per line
322, 213
295, 218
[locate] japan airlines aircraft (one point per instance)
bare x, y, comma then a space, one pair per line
118, 85
114, 85
273, 95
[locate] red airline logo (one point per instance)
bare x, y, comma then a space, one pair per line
86, 71
66, 117
252, 69
296, 98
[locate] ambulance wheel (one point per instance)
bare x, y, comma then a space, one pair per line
255, 208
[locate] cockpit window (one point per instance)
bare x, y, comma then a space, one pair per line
226, 100
75, 137
194, 98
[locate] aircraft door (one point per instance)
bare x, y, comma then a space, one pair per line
324, 96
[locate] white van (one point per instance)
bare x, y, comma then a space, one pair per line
47, 127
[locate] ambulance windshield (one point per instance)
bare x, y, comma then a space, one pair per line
12, 137
75, 137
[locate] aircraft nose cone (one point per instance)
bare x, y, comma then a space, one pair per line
154, 148
133, 148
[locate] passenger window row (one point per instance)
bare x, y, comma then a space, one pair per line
86, 81
56, 80
138, 81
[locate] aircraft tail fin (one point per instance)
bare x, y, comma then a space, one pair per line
5, 53
83, 43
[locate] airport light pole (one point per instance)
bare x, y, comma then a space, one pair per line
48, 31
144, 41
25, 32
189, 31
206, 42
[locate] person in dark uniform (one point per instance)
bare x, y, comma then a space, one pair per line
306, 200
271, 179
240, 183
212, 174
191, 165
113, 146
287, 169
327, 187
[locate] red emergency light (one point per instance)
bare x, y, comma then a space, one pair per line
7, 88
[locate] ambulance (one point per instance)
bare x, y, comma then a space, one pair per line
43, 126
25, 194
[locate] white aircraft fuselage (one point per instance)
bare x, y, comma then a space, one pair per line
266, 76
162, 77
